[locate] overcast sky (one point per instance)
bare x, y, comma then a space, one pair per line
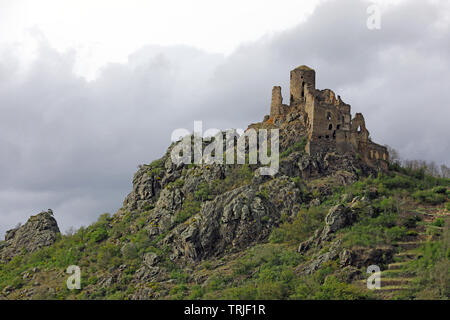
91, 89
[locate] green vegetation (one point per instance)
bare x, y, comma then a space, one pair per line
156, 168
433, 268
430, 196
190, 208
237, 176
302, 226
390, 207
299, 146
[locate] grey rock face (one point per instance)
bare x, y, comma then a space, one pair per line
338, 217
365, 257
234, 220
146, 187
150, 259
39, 231
332, 254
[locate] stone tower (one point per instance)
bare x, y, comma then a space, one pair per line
277, 102
303, 80
326, 120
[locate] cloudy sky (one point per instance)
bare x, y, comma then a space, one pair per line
91, 89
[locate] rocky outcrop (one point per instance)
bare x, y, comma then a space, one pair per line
234, 220
39, 231
331, 254
341, 216
364, 257
338, 217
146, 188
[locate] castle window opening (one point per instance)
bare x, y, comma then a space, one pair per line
320, 137
328, 115
327, 136
338, 126
358, 129
330, 127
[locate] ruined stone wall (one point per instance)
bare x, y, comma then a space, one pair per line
377, 155
326, 118
303, 80
277, 101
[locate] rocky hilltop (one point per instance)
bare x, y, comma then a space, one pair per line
335, 206
39, 231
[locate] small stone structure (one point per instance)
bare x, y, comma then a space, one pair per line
327, 119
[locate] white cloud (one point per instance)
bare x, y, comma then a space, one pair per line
105, 31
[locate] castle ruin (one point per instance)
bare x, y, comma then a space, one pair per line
327, 119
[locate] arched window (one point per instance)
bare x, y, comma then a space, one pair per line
330, 127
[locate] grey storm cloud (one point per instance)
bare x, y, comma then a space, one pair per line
73, 145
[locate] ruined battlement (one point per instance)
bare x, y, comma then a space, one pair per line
326, 118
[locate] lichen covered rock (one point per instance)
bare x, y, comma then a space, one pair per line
39, 231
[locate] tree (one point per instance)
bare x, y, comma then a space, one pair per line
394, 156
445, 171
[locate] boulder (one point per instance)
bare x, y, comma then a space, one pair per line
150, 259
364, 257
39, 231
338, 217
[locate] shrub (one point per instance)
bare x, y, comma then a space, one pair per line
118, 295
430, 197
399, 182
196, 292
333, 289
271, 290
439, 222
395, 233
432, 268
371, 232
245, 292
439, 189
299, 146
129, 251
203, 192
304, 224
189, 209
106, 253
98, 235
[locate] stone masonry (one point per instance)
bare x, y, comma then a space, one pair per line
327, 119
